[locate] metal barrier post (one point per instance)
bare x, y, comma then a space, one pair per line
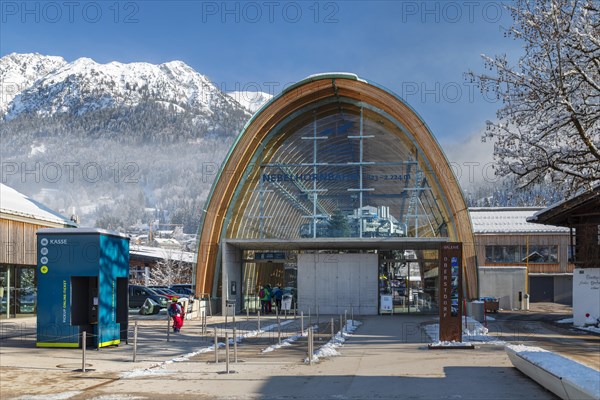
302, 322
135, 335
258, 314
332, 328
278, 328
352, 315
341, 326
346, 320
227, 352
235, 360
216, 347
310, 346
317, 310
83, 346
168, 327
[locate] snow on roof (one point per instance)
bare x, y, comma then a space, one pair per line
160, 253
17, 204
508, 220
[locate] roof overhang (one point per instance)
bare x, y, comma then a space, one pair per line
582, 208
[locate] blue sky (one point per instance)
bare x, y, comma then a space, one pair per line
418, 49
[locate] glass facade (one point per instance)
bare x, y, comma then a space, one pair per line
18, 292
341, 172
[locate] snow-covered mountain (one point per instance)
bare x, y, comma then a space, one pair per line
18, 72
251, 100
83, 86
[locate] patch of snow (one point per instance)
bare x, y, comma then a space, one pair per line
473, 331
565, 321
593, 329
16, 203
159, 368
329, 349
56, 396
41, 149
253, 101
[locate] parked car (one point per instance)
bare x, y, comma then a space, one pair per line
164, 290
183, 289
138, 295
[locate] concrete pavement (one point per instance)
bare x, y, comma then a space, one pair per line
386, 358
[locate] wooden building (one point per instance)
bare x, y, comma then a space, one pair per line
505, 239
20, 218
580, 214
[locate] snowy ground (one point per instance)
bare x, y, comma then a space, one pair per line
329, 349
473, 331
593, 329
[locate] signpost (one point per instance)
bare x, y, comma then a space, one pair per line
451, 292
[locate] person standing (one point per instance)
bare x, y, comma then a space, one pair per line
176, 313
278, 294
269, 297
262, 295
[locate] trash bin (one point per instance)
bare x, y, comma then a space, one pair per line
230, 307
475, 310
286, 302
525, 302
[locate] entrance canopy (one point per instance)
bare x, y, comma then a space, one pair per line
338, 163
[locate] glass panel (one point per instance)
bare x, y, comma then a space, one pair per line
26, 294
4, 289
330, 178
489, 253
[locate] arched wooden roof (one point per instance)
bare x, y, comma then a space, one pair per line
293, 100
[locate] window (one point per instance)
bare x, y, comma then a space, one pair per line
512, 254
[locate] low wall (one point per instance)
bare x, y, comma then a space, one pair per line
503, 283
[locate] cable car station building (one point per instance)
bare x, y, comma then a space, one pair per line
337, 191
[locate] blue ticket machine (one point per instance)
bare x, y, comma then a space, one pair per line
82, 286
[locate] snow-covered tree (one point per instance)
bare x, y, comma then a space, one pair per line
548, 128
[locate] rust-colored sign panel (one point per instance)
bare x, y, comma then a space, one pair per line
451, 292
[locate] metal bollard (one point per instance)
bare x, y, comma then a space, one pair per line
302, 322
341, 326
332, 328
216, 347
317, 315
135, 335
352, 315
235, 360
309, 319
310, 346
346, 320
258, 321
247, 312
278, 330
168, 328
83, 346
227, 352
